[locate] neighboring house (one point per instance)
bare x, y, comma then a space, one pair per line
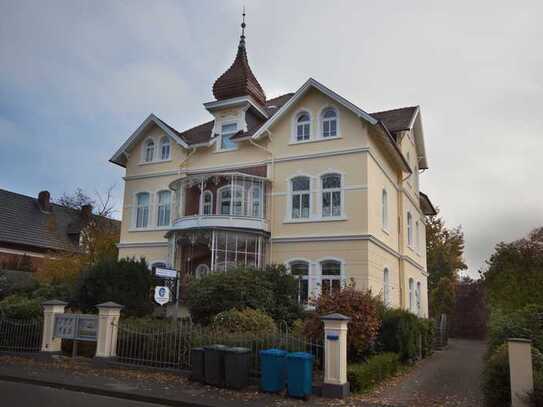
32, 228
306, 179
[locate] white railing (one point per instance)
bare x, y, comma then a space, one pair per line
203, 221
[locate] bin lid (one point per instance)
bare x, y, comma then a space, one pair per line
216, 347
300, 355
238, 350
273, 352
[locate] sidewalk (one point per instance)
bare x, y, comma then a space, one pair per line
162, 388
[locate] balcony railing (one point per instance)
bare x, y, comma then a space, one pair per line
220, 200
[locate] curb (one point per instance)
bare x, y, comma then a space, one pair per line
103, 392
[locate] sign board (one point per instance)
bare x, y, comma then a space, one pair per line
162, 295
78, 327
166, 273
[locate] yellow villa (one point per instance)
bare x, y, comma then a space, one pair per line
306, 179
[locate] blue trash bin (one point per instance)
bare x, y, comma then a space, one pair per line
273, 367
300, 374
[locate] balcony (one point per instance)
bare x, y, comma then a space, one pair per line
220, 201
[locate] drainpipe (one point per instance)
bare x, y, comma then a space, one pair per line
401, 241
270, 152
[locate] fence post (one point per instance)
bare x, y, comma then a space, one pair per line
335, 356
521, 370
108, 324
48, 342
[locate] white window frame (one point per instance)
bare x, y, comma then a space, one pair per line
409, 229
163, 207
146, 149
384, 210
293, 193
411, 286
165, 142
251, 200
418, 298
232, 199
322, 120
417, 236
331, 192
302, 278
340, 277
294, 135
146, 211
386, 286
209, 204
220, 138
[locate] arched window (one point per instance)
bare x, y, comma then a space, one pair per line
142, 209
228, 204
384, 209
149, 151
164, 208
256, 201
409, 229
301, 197
300, 270
165, 148
411, 295
208, 203
330, 276
329, 122
417, 296
331, 195
386, 286
303, 126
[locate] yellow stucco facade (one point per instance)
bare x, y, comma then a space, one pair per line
365, 241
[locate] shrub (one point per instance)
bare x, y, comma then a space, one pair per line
16, 282
536, 397
21, 307
271, 290
126, 281
399, 334
524, 323
427, 330
364, 376
496, 379
246, 321
360, 306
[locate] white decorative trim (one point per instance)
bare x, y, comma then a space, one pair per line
128, 245
236, 222
235, 102
312, 83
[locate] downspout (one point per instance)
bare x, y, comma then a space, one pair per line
270, 152
401, 241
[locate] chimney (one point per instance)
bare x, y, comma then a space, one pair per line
86, 211
43, 201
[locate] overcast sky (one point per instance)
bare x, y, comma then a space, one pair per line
78, 77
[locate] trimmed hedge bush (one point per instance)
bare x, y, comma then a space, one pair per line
399, 333
496, 379
21, 307
364, 376
271, 290
427, 330
245, 321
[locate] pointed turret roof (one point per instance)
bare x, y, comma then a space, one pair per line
239, 80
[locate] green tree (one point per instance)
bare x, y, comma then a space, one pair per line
443, 297
514, 277
126, 281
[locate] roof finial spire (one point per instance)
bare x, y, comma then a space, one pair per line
243, 25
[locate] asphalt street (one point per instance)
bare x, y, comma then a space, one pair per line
29, 395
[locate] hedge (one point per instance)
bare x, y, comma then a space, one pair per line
246, 321
364, 376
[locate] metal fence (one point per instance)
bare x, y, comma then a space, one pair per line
20, 335
168, 345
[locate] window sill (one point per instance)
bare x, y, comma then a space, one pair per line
154, 162
226, 150
315, 220
314, 140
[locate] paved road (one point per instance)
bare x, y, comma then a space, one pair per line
449, 378
29, 395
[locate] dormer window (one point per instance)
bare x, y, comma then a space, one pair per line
303, 126
227, 131
165, 149
149, 151
329, 123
